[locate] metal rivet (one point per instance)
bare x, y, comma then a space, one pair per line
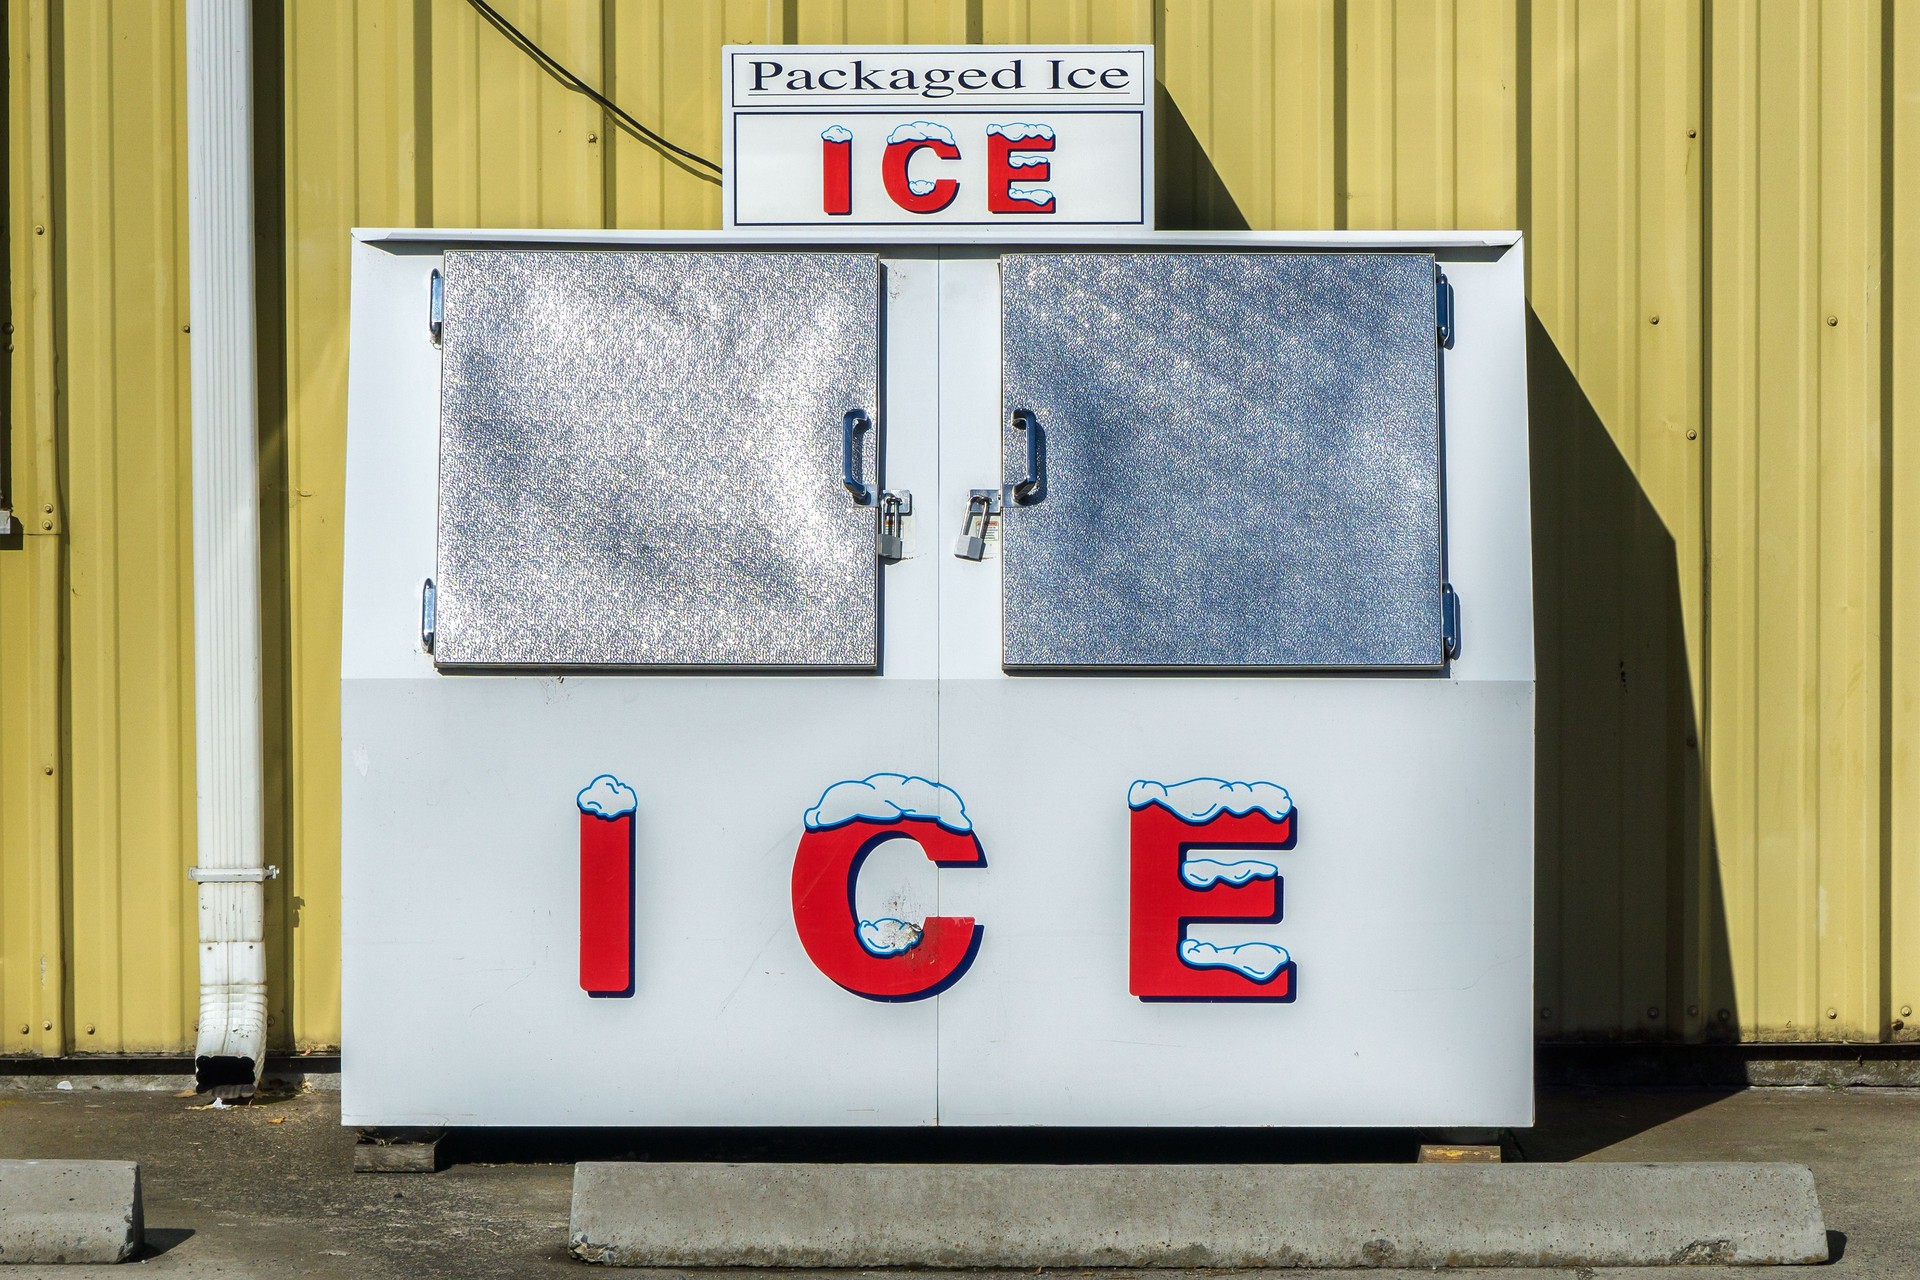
46, 525
186, 328
1692, 434
46, 1026
1906, 1011
1724, 1015
1832, 321
47, 769
1653, 1011
1693, 133
1653, 319
1545, 1013
1833, 1013
25, 1029
1693, 1011
593, 137
47, 507
89, 1028
39, 230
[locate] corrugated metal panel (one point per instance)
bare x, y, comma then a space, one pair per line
129, 603
32, 755
1798, 505
1612, 206
1901, 427
1687, 393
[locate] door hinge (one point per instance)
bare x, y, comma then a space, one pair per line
1443, 309
1450, 620
436, 307
429, 607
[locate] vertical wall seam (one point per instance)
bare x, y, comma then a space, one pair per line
1342, 130
1707, 857
1883, 996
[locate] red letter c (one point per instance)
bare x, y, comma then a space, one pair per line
824, 871
931, 195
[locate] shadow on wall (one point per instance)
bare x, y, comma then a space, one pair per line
1187, 190
1631, 940
276, 534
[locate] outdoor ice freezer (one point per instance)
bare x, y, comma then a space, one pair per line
789, 681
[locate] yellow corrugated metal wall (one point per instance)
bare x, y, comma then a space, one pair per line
1720, 204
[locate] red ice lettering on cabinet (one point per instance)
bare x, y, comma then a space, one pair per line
1189, 841
606, 886
885, 958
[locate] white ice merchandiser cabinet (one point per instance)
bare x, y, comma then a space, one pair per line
1078, 682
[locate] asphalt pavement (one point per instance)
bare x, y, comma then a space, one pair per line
268, 1189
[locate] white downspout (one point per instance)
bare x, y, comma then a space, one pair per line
231, 1047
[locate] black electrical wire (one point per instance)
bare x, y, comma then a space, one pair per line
525, 44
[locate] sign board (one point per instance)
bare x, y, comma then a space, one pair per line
969, 135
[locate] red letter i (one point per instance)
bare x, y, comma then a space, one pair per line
836, 170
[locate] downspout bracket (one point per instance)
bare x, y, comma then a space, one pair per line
232, 875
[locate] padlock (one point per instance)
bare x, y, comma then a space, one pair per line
981, 505
889, 542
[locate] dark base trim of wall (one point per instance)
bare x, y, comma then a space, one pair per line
1728, 1065
158, 1064
1557, 1064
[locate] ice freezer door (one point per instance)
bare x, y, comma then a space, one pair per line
641, 460
1221, 460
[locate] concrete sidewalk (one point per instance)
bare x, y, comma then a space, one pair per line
266, 1191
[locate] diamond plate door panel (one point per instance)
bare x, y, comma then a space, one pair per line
1239, 461
640, 460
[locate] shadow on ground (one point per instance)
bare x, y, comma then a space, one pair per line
939, 1146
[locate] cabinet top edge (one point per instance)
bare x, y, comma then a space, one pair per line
887, 236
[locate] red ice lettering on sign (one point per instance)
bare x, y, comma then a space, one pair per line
836, 170
918, 195
1189, 841
1009, 161
884, 958
606, 886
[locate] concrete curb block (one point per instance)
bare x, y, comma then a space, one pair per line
69, 1210
1545, 1215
